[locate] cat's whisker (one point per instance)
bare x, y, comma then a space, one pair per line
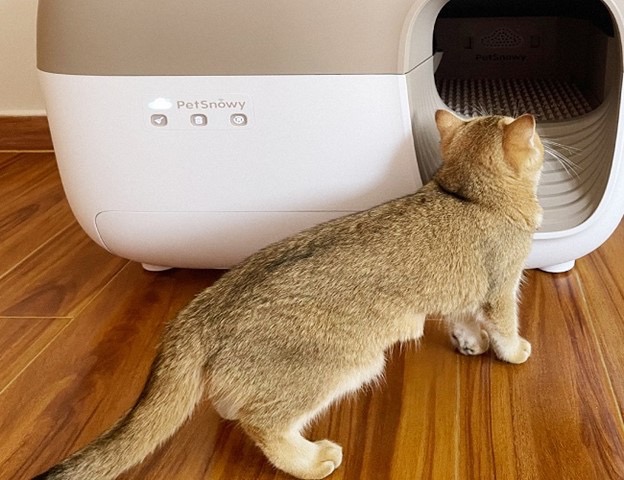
479, 110
560, 146
570, 167
515, 109
561, 157
483, 111
556, 151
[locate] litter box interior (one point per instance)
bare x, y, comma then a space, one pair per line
560, 61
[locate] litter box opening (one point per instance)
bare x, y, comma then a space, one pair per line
559, 60
548, 59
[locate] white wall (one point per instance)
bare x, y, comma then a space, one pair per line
19, 90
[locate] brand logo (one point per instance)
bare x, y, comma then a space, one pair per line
495, 57
219, 104
160, 103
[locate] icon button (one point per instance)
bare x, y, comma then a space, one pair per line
199, 120
238, 119
159, 120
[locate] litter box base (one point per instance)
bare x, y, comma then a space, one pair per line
560, 267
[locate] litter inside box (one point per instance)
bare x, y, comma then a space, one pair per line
547, 99
552, 67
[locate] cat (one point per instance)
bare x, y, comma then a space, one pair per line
307, 320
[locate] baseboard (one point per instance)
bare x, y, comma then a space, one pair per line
25, 133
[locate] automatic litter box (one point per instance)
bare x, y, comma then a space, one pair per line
191, 135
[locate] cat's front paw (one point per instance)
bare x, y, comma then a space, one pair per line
470, 341
518, 352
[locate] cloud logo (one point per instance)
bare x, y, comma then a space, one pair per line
160, 104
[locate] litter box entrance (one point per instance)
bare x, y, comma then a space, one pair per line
559, 60
545, 58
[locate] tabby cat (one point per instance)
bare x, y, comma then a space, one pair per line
307, 320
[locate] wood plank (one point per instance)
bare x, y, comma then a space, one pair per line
6, 158
19, 169
552, 417
33, 207
25, 133
425, 445
22, 340
92, 372
602, 273
59, 279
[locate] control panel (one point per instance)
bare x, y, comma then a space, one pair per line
210, 113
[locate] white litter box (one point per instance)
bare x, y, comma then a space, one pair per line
190, 134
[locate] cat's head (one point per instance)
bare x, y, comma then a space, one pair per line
506, 148
493, 161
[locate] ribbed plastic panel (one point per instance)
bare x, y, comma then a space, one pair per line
572, 187
547, 99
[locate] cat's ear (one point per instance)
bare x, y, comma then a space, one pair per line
521, 132
519, 142
447, 123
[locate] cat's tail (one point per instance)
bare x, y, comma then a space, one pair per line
172, 391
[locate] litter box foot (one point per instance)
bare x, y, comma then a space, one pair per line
559, 268
154, 268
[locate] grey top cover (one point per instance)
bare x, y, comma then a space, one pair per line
221, 37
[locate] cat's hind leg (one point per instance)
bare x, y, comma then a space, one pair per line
290, 452
276, 428
467, 334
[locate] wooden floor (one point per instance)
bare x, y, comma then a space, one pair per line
79, 329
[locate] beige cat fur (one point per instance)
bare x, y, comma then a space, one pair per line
307, 320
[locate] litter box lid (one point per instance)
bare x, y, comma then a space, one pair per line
220, 37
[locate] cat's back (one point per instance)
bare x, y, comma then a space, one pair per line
407, 240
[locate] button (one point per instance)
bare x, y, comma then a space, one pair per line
199, 120
238, 119
159, 120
